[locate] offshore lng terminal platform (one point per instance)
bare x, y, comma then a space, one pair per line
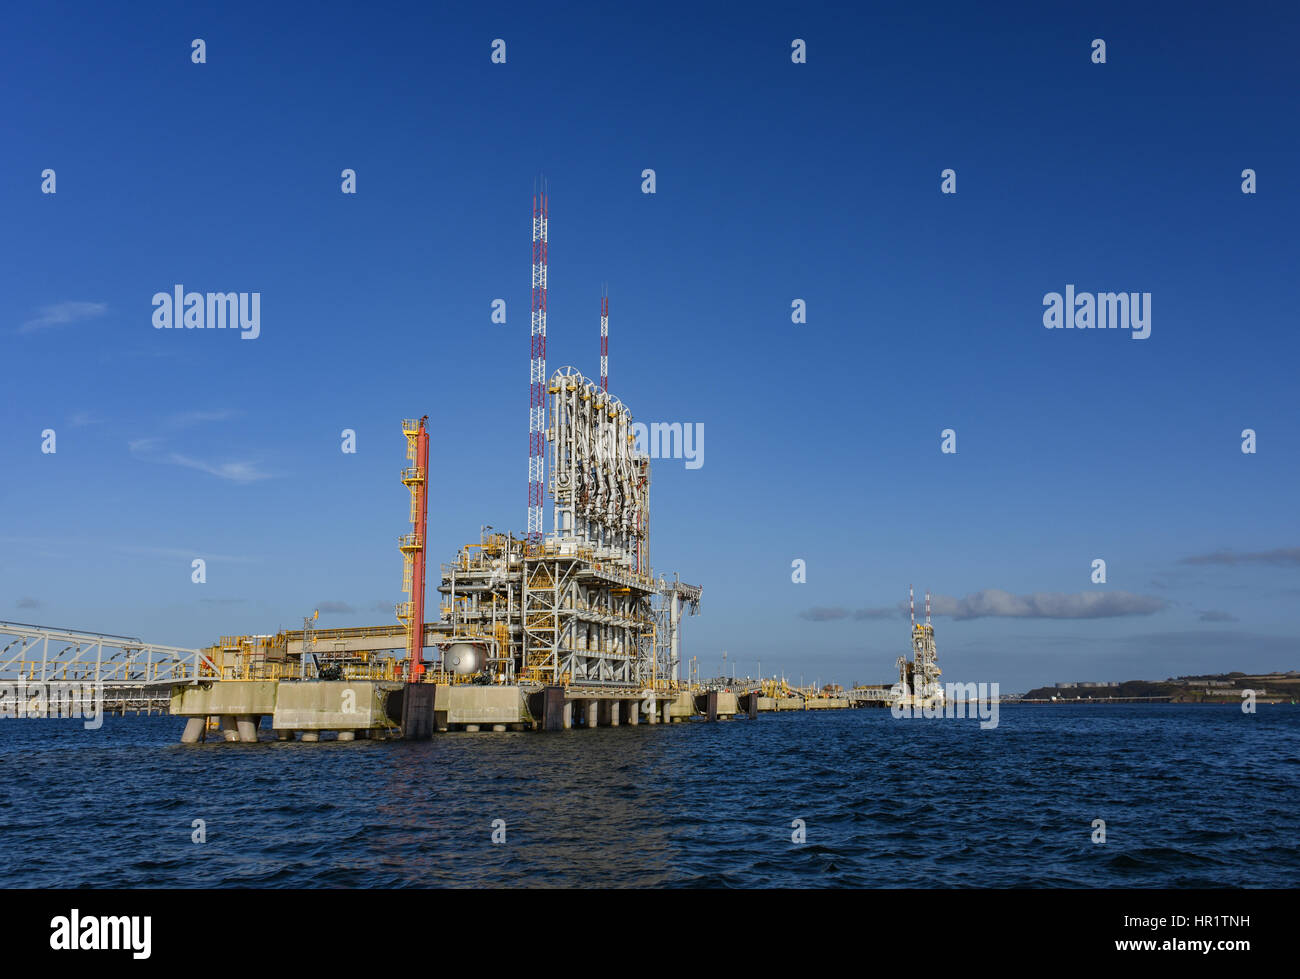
550, 630
559, 628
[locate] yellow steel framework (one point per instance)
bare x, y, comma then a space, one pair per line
410, 544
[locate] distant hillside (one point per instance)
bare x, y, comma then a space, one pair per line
1214, 687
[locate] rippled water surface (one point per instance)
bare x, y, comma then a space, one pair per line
1191, 796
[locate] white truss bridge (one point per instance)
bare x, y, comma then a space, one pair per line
39, 654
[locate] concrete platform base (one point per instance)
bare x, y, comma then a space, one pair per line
380, 709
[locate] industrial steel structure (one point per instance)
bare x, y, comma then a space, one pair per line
919, 678
578, 606
581, 606
416, 479
549, 629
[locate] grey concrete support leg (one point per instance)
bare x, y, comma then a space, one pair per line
633, 713
653, 715
229, 730
472, 728
284, 735
593, 707
194, 728
614, 706
568, 715
498, 728
311, 736
347, 735
247, 728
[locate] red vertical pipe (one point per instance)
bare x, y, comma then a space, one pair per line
415, 652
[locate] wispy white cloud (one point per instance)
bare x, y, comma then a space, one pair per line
824, 613
887, 612
187, 418
829, 613
1278, 557
236, 472
80, 419
60, 314
150, 450
994, 603
185, 553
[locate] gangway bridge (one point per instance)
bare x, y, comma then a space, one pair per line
131, 673
880, 696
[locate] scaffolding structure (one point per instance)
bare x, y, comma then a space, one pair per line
920, 676
676, 596
581, 607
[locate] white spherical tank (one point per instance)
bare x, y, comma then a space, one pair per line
464, 658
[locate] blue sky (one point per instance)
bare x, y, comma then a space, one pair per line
775, 181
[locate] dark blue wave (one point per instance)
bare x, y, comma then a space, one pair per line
1191, 797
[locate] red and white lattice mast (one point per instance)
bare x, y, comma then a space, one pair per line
604, 342
537, 370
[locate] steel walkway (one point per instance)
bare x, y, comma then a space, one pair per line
38, 654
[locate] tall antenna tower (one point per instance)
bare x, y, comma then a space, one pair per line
927, 606
537, 368
911, 604
604, 341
